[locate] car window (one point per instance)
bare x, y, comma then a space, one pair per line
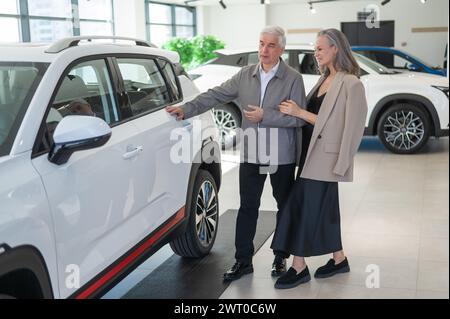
171, 77
372, 65
253, 58
144, 84
18, 82
384, 58
370, 54
402, 63
85, 90
308, 64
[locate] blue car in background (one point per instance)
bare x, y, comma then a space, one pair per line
397, 59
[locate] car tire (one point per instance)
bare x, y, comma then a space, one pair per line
227, 118
404, 128
203, 222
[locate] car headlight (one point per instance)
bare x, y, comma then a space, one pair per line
443, 89
194, 76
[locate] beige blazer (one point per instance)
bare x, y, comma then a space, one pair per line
338, 130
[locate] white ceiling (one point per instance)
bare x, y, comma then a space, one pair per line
237, 2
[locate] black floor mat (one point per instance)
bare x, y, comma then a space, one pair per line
180, 278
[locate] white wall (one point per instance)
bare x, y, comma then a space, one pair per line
239, 25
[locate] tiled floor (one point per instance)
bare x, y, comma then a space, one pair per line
395, 223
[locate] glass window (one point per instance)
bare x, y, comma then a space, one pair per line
50, 8
87, 90
160, 13
384, 58
50, 20
49, 30
95, 28
144, 84
169, 20
18, 82
9, 30
159, 34
184, 32
308, 64
402, 63
95, 10
166, 66
253, 58
9, 7
373, 65
184, 15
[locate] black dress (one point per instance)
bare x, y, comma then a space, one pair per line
309, 224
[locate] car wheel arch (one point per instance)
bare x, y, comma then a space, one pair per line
414, 99
211, 164
27, 261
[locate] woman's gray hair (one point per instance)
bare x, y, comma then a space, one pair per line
345, 61
277, 31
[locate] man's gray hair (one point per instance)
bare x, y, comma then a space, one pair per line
277, 31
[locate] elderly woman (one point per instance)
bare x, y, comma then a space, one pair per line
336, 112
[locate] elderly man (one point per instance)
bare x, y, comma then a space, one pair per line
260, 89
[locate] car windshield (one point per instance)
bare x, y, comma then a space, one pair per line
375, 66
418, 60
18, 81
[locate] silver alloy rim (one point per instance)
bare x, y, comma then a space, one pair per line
227, 126
404, 130
206, 214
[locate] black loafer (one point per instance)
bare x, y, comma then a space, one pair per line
237, 271
331, 269
278, 267
291, 279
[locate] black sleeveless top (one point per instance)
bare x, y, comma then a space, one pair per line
313, 106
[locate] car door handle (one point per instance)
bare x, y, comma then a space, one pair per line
187, 126
133, 153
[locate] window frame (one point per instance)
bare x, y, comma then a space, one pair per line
163, 74
67, 70
24, 19
173, 25
119, 93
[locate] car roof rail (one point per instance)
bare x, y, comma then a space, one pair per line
66, 43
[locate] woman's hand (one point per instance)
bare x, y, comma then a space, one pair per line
289, 107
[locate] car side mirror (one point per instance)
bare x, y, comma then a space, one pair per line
76, 133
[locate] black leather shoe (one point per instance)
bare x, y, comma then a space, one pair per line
237, 271
291, 279
278, 267
330, 269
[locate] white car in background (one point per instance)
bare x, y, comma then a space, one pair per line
405, 109
89, 188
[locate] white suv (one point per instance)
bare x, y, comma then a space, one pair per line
89, 185
405, 109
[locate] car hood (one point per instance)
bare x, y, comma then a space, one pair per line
425, 78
